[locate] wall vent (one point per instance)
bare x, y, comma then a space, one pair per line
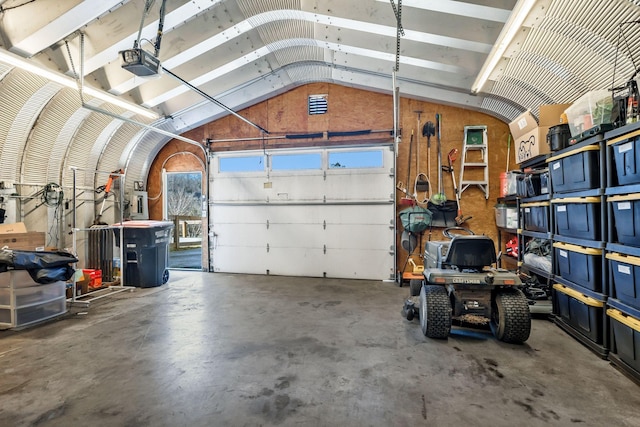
317, 104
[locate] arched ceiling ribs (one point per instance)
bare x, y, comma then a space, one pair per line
266, 18
63, 26
33, 151
266, 50
101, 144
16, 121
173, 20
65, 140
141, 149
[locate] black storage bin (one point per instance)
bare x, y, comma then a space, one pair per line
579, 265
577, 217
545, 184
521, 185
626, 215
625, 326
532, 182
580, 311
535, 216
625, 275
575, 170
626, 155
146, 252
558, 137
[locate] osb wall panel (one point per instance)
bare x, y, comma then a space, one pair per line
354, 110
348, 110
453, 121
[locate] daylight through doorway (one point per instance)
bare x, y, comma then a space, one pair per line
184, 208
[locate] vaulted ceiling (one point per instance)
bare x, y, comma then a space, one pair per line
241, 52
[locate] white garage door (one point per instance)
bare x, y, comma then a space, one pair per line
312, 212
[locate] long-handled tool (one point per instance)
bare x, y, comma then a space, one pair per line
107, 189
451, 157
429, 130
439, 198
410, 198
421, 183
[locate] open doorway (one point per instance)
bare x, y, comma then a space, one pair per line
184, 208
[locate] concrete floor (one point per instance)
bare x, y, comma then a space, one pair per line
235, 350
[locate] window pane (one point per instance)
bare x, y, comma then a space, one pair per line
242, 164
355, 159
296, 161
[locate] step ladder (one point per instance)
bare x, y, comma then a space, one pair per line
475, 142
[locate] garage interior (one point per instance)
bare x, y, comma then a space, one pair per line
251, 202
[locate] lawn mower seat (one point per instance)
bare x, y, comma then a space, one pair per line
470, 252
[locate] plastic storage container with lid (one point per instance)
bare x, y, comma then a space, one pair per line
591, 110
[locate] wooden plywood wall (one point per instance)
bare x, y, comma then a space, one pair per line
352, 109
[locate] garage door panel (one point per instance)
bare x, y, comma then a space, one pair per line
294, 214
238, 189
360, 214
296, 262
333, 222
238, 214
304, 187
369, 265
359, 185
251, 261
296, 236
357, 237
239, 235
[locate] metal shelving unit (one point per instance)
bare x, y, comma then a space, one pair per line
579, 234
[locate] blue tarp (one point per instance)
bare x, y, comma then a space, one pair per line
43, 267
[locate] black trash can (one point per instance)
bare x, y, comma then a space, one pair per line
146, 252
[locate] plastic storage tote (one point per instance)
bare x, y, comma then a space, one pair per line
580, 311
591, 110
575, 170
626, 155
579, 265
625, 326
501, 215
625, 278
577, 217
536, 216
626, 216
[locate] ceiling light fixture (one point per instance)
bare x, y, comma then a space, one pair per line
520, 12
17, 61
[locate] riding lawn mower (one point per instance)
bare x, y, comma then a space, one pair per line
462, 287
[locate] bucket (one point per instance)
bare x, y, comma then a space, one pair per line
504, 184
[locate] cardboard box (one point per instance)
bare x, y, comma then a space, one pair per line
530, 136
15, 236
17, 227
28, 241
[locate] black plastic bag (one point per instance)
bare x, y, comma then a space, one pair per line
51, 275
443, 215
27, 260
43, 267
